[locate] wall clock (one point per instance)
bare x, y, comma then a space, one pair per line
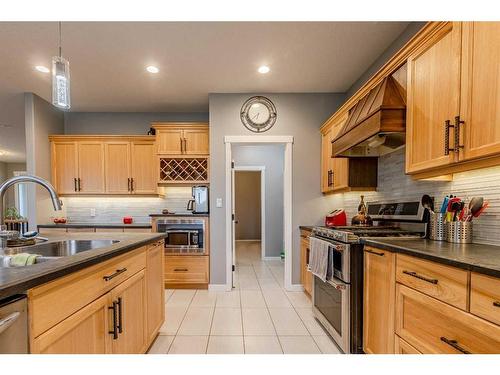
258, 114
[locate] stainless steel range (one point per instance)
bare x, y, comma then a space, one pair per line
338, 302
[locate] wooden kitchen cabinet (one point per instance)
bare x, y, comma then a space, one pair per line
305, 275
186, 271
64, 155
155, 291
433, 88
129, 299
188, 138
379, 300
88, 165
480, 90
85, 332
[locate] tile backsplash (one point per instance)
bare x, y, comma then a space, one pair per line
113, 209
394, 184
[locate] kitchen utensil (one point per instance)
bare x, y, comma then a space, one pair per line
462, 211
475, 204
428, 203
455, 208
444, 206
481, 210
452, 207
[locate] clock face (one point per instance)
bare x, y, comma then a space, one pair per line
258, 114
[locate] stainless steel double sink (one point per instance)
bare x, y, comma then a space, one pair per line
54, 250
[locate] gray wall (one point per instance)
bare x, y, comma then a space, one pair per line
299, 115
400, 41
247, 205
271, 157
121, 122
41, 120
7, 171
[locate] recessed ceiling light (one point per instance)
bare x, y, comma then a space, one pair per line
42, 69
152, 69
263, 69
2, 153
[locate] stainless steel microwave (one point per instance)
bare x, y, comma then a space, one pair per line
183, 235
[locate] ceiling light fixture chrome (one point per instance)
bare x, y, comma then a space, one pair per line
61, 97
42, 69
152, 69
264, 69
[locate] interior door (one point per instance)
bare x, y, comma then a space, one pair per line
144, 168
129, 299
65, 167
233, 222
433, 98
91, 167
117, 162
480, 89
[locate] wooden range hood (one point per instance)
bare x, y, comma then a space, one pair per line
375, 125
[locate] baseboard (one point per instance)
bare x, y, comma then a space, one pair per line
272, 258
295, 288
219, 288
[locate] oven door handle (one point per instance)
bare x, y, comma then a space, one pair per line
181, 231
337, 284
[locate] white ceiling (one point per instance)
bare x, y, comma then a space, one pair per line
108, 61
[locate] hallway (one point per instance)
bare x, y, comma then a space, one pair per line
257, 317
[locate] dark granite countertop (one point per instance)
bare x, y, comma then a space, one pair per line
95, 225
473, 257
19, 279
179, 214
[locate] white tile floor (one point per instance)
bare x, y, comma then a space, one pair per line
257, 317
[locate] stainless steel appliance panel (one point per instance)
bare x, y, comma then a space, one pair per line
14, 325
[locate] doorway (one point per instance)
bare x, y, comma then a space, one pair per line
250, 213
286, 214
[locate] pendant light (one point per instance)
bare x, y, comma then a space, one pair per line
60, 79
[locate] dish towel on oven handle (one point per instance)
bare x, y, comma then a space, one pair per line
318, 258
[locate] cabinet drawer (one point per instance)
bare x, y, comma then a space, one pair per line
485, 297
448, 284
185, 269
402, 347
54, 301
432, 326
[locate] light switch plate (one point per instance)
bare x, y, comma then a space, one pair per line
92, 212
218, 202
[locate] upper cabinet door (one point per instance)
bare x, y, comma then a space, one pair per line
118, 173
91, 167
170, 141
339, 166
480, 89
144, 168
433, 98
326, 164
65, 167
196, 141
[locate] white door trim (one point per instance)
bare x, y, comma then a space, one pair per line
262, 170
287, 201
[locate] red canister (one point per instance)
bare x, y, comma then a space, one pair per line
127, 220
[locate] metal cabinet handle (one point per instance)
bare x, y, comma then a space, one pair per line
185, 145
76, 189
180, 270
120, 313
455, 345
330, 178
8, 321
375, 253
182, 145
447, 126
496, 304
131, 184
79, 184
128, 184
114, 332
112, 276
420, 277
457, 144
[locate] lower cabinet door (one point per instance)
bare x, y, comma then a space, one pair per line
402, 347
128, 317
431, 326
84, 332
155, 290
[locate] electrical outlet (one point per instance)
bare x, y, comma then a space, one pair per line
92, 212
218, 202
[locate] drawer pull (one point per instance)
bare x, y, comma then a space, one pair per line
112, 276
416, 275
375, 253
454, 344
496, 304
180, 270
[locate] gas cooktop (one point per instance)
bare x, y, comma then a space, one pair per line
354, 233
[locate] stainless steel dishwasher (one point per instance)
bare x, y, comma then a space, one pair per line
14, 325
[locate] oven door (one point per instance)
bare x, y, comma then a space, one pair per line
331, 301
